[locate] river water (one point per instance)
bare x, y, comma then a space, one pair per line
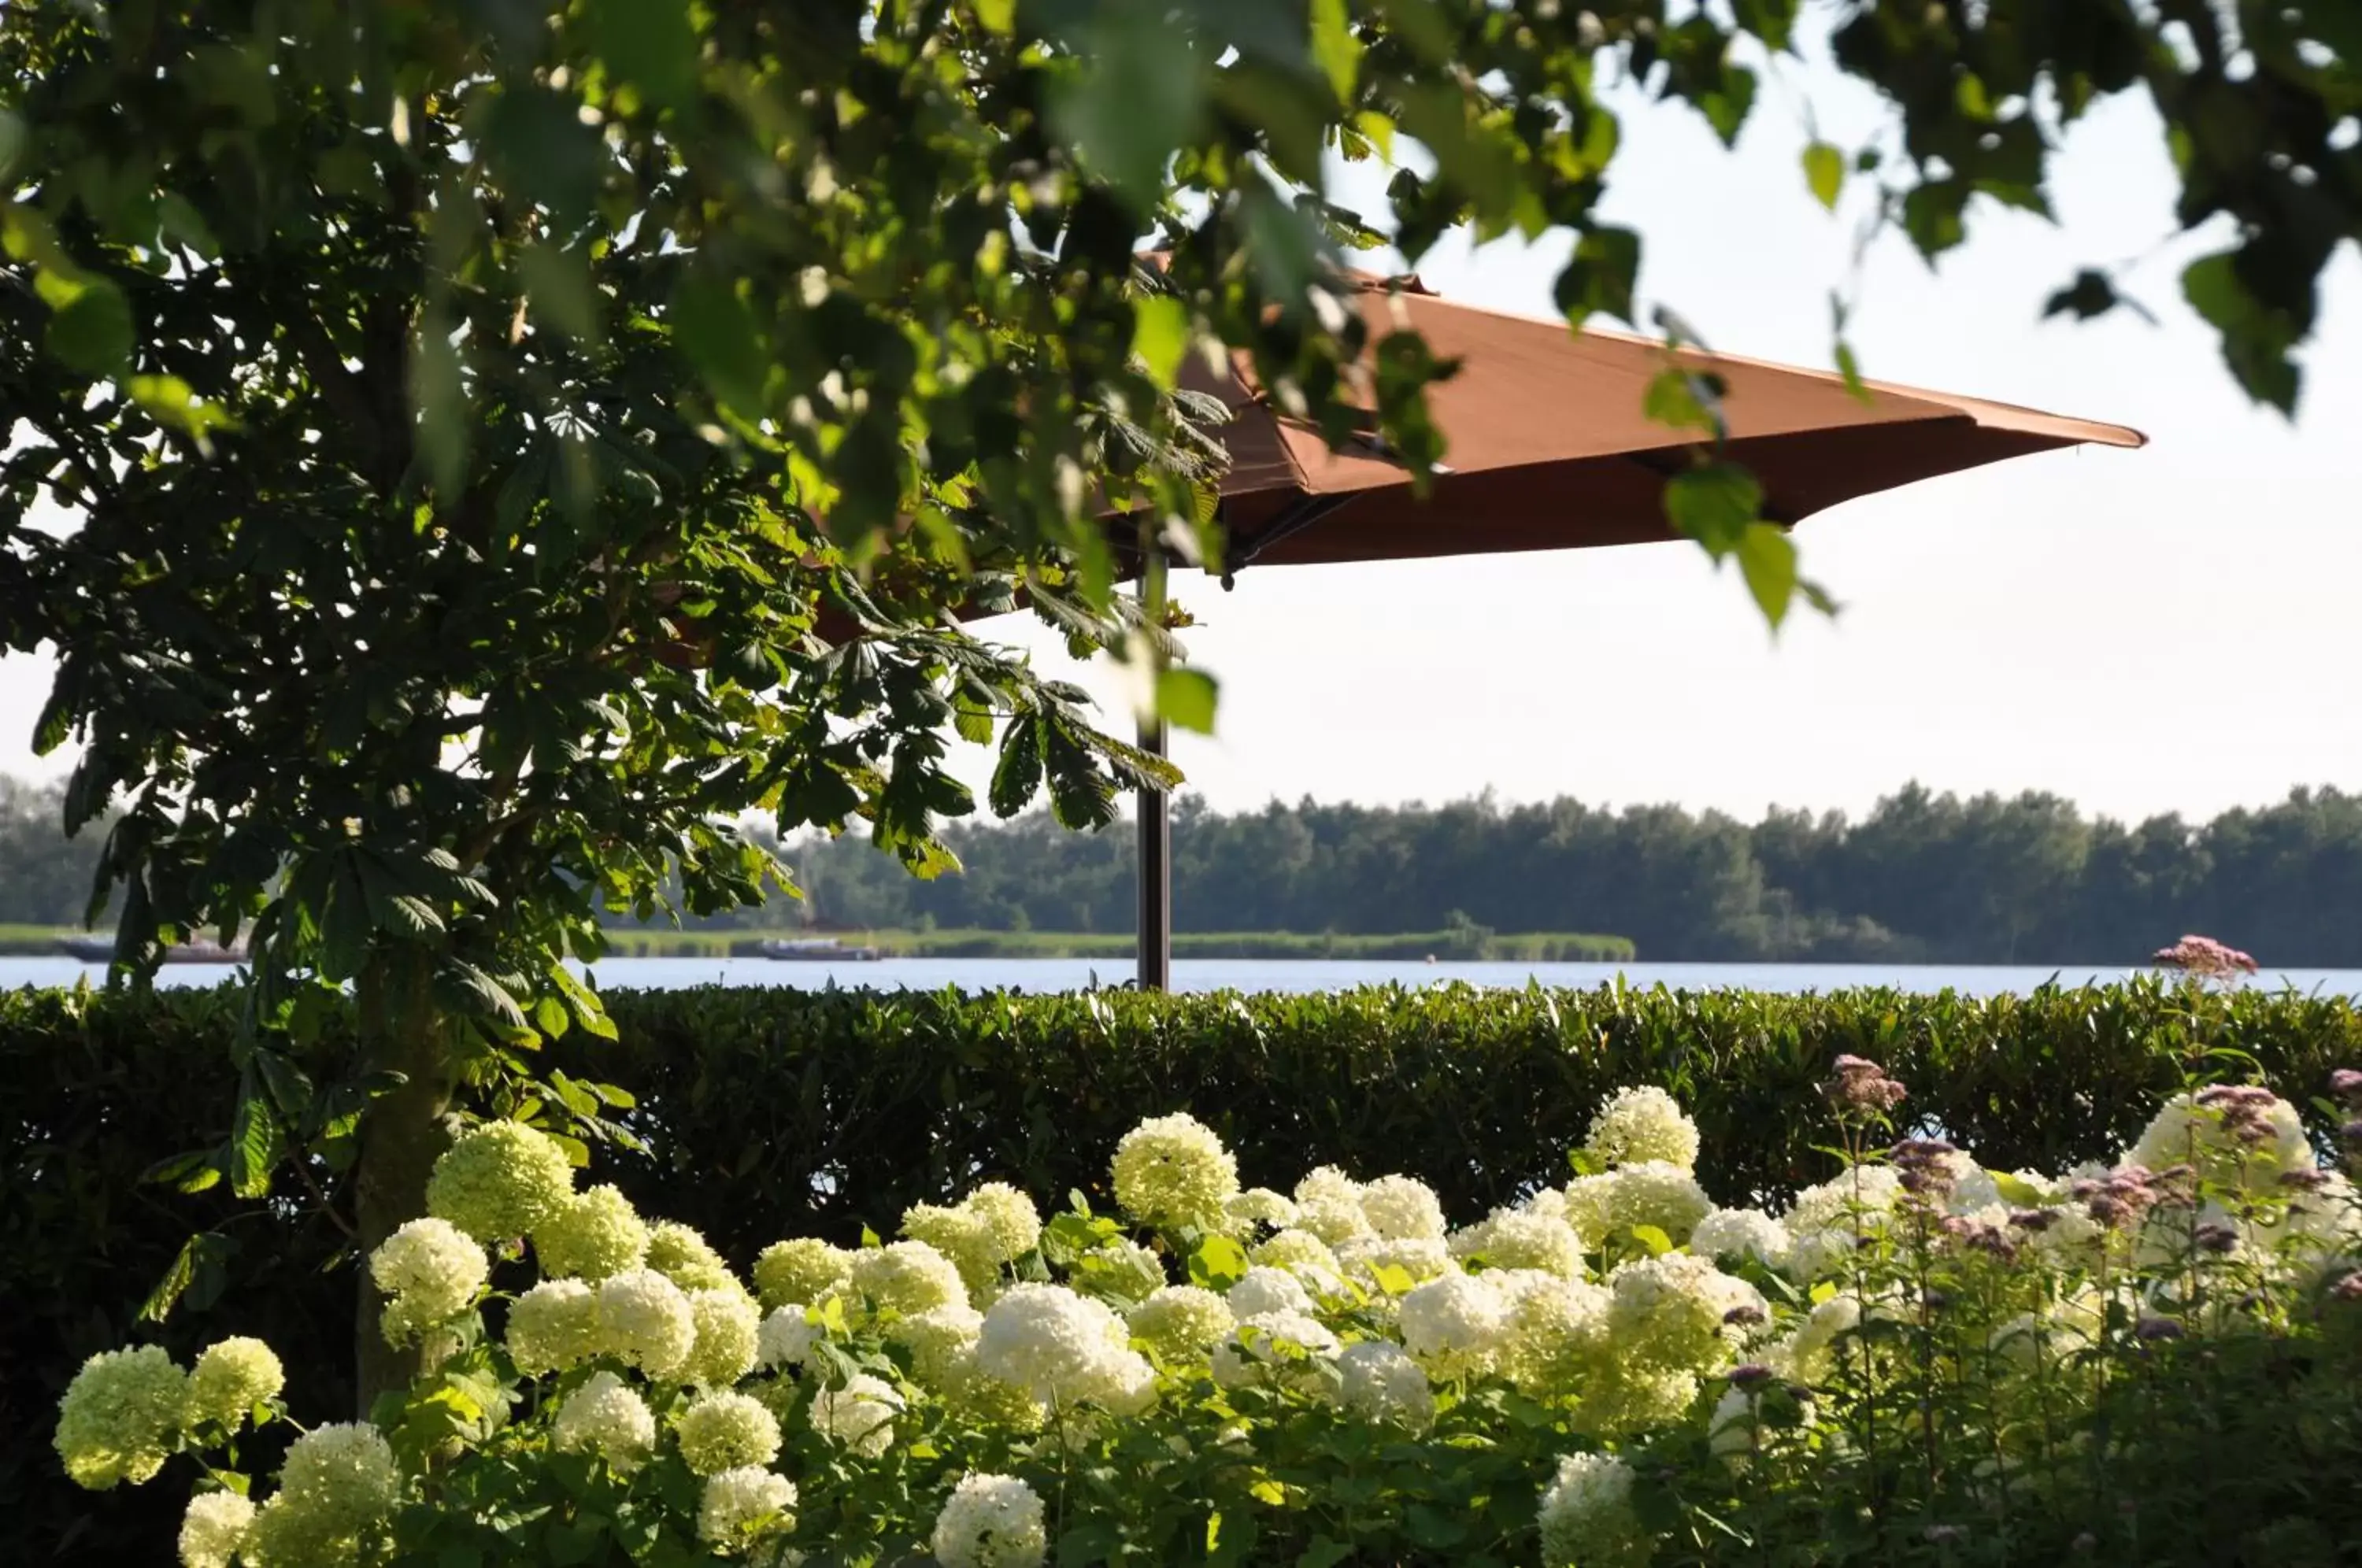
1273, 975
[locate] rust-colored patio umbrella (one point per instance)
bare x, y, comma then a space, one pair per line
1548, 450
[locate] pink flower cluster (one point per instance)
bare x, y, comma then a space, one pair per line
2205, 957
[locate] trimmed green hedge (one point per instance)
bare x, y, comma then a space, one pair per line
770, 1110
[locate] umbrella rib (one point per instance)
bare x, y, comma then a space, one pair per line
1299, 514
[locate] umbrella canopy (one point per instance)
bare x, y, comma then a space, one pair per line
1549, 448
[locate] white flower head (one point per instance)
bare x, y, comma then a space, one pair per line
1275, 1349
1587, 1517
1531, 1238
1679, 1313
805, 1269
1402, 1209
433, 1271
606, 1418
1650, 1192
686, 1258
500, 1179
1456, 1325
990, 1522
646, 1320
1060, 1347
740, 1506
1267, 1289
1329, 1204
908, 1277
1742, 1234
591, 1235
788, 1337
939, 1340
1182, 1322
1380, 1384
859, 1416
1174, 1171
1260, 1206
343, 1475
1557, 1333
231, 1378
2189, 1130
553, 1327
1014, 1223
729, 1332
119, 1415
1640, 1124
214, 1529
724, 1431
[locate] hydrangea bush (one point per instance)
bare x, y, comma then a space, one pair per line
1919, 1359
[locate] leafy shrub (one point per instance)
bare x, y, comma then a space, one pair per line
1920, 1359
765, 1112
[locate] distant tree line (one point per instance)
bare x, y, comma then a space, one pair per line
1922, 877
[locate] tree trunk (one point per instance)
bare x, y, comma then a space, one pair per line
402, 1031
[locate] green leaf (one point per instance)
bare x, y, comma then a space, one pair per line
1767, 558
1185, 699
1217, 1262
255, 1144
1714, 504
438, 397
2257, 339
558, 285
1134, 103
719, 334
197, 1272
90, 324
169, 403
998, 16
1599, 279
550, 1016
1655, 1240
1335, 49
1160, 336
1825, 172
648, 43
1018, 775
12, 141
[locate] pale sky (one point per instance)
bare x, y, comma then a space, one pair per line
2161, 630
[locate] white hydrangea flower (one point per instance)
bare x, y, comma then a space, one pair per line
1823, 1220
990, 1522
1650, 1192
908, 1277
1807, 1355
1402, 1209
500, 1179
1421, 1258
1267, 1289
722, 1431
1174, 1171
1741, 1232
1730, 1431
553, 1327
1329, 1204
859, 1416
960, 1234
805, 1269
1456, 1325
788, 1337
606, 1418
1008, 1215
119, 1415
1120, 1269
1294, 1249
1624, 1399
1276, 1349
646, 1320
681, 1255
2185, 1133
231, 1378
1379, 1383
745, 1504
1260, 1206
1643, 1124
1676, 1312
593, 1235
1588, 1520
729, 1331
1585, 1208
1181, 1321
214, 1529
938, 1340
1973, 1186
432, 1270
1060, 1347
1557, 1331
1528, 1237
343, 1474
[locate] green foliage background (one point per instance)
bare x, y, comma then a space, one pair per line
768, 1112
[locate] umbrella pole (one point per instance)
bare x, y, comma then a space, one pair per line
1154, 940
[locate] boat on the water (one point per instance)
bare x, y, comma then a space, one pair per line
101, 950
817, 950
